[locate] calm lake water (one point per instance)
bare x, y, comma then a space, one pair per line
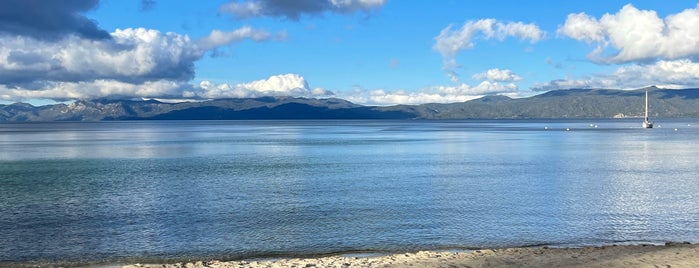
123, 191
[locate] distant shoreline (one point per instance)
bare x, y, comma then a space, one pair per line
558, 104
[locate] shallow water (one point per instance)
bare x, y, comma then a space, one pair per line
114, 191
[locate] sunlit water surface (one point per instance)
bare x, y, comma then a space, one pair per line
119, 191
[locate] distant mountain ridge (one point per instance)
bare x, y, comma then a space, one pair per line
572, 103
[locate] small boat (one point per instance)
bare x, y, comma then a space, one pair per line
647, 123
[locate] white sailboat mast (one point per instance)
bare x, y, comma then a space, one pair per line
646, 104
647, 123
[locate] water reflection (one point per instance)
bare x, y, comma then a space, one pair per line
649, 184
253, 188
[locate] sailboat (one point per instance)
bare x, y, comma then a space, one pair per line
647, 123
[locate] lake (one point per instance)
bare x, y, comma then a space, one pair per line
81, 192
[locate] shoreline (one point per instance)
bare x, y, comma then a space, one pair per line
669, 254
642, 255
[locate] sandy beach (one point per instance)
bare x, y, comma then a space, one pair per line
669, 255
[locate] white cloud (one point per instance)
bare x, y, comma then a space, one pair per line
93, 89
435, 94
497, 82
277, 85
295, 9
498, 75
633, 35
523, 31
583, 27
132, 63
450, 42
131, 55
219, 38
671, 74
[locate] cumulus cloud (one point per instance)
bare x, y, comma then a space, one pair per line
498, 75
277, 85
130, 55
134, 55
49, 50
49, 20
670, 74
450, 42
633, 35
435, 94
295, 9
132, 63
583, 27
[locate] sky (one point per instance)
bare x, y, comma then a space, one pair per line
371, 52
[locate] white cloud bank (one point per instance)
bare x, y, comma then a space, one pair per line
633, 35
450, 42
277, 85
435, 94
668, 74
99, 88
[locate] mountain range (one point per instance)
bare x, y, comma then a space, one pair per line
572, 103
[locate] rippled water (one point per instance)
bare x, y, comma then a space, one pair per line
115, 191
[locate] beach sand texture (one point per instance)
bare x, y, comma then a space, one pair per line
669, 255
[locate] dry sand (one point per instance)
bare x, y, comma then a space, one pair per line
669, 255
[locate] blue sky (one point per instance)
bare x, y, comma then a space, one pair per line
376, 52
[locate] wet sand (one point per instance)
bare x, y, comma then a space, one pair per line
669, 255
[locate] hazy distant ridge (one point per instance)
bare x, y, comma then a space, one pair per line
573, 103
